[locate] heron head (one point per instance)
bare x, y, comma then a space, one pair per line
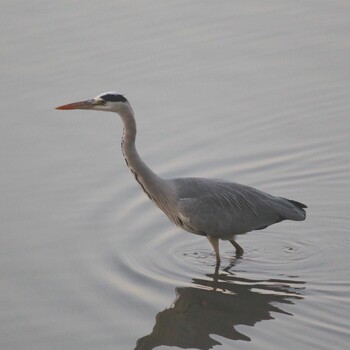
110, 101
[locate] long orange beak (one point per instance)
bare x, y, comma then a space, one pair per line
88, 104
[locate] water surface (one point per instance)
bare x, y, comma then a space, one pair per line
253, 92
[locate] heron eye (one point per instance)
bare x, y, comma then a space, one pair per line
100, 102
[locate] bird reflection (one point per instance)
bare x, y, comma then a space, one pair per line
215, 305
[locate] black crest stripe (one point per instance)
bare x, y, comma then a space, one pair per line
113, 98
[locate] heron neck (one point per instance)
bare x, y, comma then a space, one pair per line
149, 181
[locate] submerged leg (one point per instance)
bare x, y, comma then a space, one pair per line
239, 249
215, 243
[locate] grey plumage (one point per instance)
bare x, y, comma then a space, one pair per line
224, 209
213, 208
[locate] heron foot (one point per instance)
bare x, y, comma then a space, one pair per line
239, 249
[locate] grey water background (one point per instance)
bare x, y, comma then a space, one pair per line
252, 91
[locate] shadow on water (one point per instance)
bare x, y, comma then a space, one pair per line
215, 305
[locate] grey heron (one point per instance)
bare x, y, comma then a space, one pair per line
213, 208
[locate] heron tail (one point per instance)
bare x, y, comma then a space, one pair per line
300, 206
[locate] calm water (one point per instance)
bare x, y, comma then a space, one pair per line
256, 92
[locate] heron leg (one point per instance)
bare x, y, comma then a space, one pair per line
239, 249
215, 243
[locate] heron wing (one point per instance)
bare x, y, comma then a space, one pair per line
223, 209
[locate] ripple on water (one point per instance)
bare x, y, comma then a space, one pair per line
170, 270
